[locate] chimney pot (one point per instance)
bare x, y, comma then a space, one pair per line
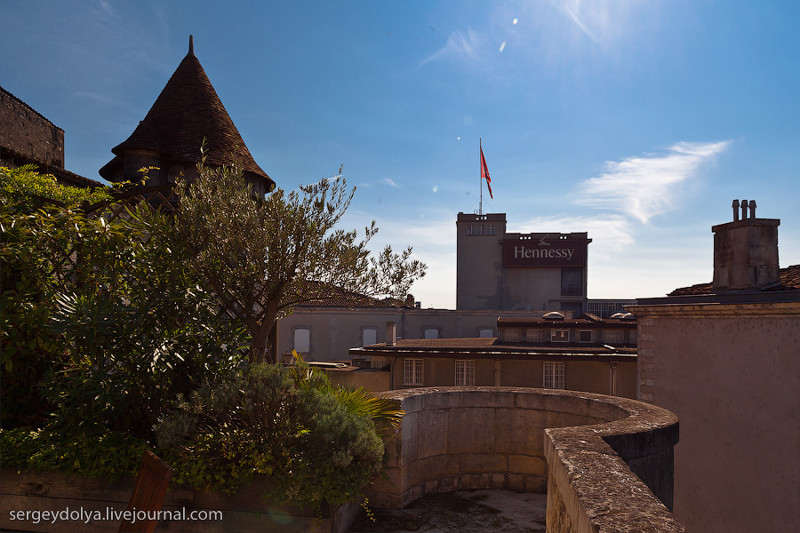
735, 206
744, 209
752, 209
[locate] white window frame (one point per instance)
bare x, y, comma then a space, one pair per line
554, 375
413, 372
465, 373
553, 333
364, 340
296, 345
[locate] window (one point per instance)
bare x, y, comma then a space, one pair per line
412, 372
616, 336
369, 335
554, 375
559, 335
465, 373
585, 335
480, 229
302, 340
430, 333
571, 281
536, 335
511, 334
485, 333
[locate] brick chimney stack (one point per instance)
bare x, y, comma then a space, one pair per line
746, 250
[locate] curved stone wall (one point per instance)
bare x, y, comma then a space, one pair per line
579, 447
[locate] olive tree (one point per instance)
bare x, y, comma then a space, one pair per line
262, 256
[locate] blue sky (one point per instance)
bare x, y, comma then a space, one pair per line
636, 121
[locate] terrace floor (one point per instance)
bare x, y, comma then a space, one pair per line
465, 511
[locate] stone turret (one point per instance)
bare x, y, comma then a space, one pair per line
187, 111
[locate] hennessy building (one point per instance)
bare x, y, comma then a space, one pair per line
518, 271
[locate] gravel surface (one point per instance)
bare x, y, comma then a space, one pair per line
464, 511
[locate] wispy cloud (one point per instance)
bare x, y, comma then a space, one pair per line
390, 182
574, 10
608, 232
468, 47
643, 187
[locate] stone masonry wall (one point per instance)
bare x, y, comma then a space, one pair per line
592, 465
28, 133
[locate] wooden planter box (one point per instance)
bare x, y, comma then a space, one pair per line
55, 492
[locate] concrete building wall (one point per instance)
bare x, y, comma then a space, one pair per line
479, 264
731, 372
490, 274
28, 133
335, 330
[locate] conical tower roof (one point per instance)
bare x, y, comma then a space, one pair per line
187, 111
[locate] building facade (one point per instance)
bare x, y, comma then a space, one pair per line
518, 271
554, 351
725, 357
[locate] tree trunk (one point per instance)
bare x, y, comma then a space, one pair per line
259, 334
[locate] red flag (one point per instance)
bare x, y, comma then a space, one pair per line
485, 174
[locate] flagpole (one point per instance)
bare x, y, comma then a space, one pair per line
480, 178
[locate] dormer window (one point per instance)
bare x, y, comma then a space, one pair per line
559, 335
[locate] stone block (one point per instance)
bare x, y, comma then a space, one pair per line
499, 481
488, 398
526, 464
470, 481
475, 463
453, 464
412, 404
519, 430
433, 432
529, 400
431, 486
516, 482
442, 400
409, 437
486, 481
537, 484
471, 430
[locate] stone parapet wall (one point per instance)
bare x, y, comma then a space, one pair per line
246, 510
455, 438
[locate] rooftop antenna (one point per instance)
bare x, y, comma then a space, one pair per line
191, 44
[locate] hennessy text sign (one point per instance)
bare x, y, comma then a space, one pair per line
544, 252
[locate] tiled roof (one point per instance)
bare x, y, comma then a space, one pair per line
488, 348
584, 321
338, 297
187, 111
789, 280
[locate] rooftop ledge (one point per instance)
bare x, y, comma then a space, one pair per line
605, 462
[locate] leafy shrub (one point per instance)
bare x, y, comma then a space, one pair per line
275, 422
95, 453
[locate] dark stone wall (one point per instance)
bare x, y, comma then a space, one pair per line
27, 133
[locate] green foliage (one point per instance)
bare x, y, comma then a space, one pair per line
264, 256
277, 422
101, 318
96, 453
24, 190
